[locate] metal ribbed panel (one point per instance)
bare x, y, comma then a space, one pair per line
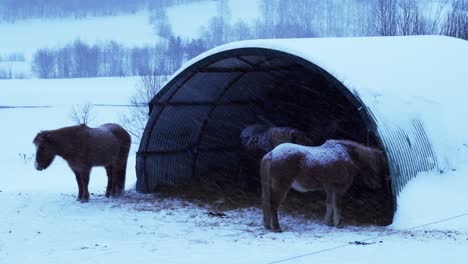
220, 162
141, 159
164, 96
177, 128
154, 115
229, 64
253, 86
141, 174
203, 87
409, 151
168, 169
225, 124
254, 59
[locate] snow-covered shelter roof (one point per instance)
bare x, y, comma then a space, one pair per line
409, 91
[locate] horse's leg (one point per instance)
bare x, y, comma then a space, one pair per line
84, 175
329, 205
109, 180
120, 178
79, 197
266, 191
337, 204
115, 180
115, 176
278, 195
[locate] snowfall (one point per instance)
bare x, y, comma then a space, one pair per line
41, 221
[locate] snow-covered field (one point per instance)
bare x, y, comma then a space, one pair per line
41, 222
26, 37
29, 35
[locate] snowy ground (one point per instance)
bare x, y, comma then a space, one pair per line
41, 222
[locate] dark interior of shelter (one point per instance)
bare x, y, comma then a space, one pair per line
191, 145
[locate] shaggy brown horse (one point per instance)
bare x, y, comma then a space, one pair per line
258, 139
83, 148
330, 167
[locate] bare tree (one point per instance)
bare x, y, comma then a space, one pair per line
82, 114
456, 23
435, 15
135, 121
406, 17
410, 21
383, 21
44, 63
240, 31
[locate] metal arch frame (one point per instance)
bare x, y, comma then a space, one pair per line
154, 121
207, 117
269, 54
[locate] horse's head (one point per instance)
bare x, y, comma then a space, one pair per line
249, 135
45, 151
372, 165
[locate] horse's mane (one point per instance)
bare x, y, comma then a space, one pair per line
58, 135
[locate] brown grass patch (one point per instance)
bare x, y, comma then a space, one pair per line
220, 192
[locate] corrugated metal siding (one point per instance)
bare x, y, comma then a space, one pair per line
185, 125
164, 96
167, 137
221, 162
253, 86
203, 87
229, 64
168, 169
225, 124
409, 151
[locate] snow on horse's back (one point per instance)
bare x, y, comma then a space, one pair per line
331, 167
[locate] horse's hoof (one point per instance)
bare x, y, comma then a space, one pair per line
78, 199
339, 226
84, 201
107, 195
277, 230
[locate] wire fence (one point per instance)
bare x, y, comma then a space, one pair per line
368, 239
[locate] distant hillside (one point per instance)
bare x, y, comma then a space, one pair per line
14, 10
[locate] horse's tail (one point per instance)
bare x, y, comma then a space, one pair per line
125, 142
265, 164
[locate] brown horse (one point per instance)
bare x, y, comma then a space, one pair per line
258, 139
83, 148
330, 167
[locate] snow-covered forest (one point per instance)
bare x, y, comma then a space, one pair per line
170, 47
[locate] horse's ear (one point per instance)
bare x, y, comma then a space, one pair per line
45, 136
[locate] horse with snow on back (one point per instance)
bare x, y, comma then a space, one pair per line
331, 167
82, 148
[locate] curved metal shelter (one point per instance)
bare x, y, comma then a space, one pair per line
404, 94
